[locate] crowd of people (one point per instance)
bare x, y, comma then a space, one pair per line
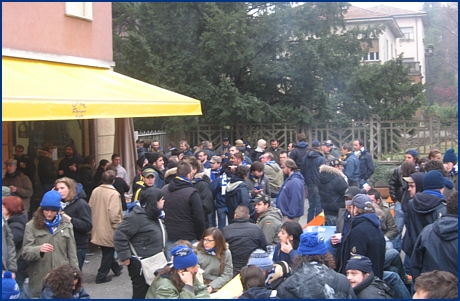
234, 211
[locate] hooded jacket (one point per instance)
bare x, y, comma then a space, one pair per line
47, 172
275, 176
436, 247
184, 215
373, 288
365, 238
310, 167
80, 212
270, 222
202, 183
259, 293
299, 151
422, 210
238, 194
315, 281
291, 197
332, 187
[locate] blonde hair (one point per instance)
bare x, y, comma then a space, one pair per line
71, 184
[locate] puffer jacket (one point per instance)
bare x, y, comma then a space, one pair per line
299, 151
211, 266
144, 233
270, 222
373, 288
316, 281
332, 187
47, 171
436, 247
310, 167
238, 194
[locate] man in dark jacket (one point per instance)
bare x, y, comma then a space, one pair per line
184, 215
310, 171
243, 238
291, 198
47, 172
300, 150
436, 247
332, 187
424, 209
365, 237
156, 160
366, 164
68, 167
18, 182
25, 163
351, 170
237, 193
362, 279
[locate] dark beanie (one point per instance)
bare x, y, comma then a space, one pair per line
360, 263
152, 157
433, 180
413, 153
450, 156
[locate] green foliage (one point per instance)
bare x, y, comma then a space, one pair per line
382, 172
443, 112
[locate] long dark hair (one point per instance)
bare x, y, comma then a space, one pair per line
60, 281
294, 229
219, 239
252, 276
326, 259
39, 219
172, 275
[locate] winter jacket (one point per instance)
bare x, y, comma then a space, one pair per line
315, 281
238, 194
47, 171
202, 183
310, 167
65, 252
66, 162
23, 184
366, 164
106, 214
17, 224
364, 238
85, 172
30, 168
299, 151
351, 169
163, 288
291, 197
121, 186
332, 187
422, 210
391, 229
243, 237
275, 176
184, 215
224, 151
279, 255
373, 288
217, 192
80, 212
275, 152
8, 248
259, 293
144, 233
211, 266
252, 182
436, 247
396, 185
47, 293
270, 222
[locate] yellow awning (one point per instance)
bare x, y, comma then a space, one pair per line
41, 90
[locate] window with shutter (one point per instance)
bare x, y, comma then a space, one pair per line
81, 10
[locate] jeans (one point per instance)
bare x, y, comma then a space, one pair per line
394, 263
221, 217
212, 217
331, 220
314, 202
140, 288
107, 263
24, 294
362, 182
399, 219
170, 245
407, 264
81, 255
397, 285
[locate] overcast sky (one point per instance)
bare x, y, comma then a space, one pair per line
404, 5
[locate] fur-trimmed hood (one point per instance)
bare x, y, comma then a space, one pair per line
171, 172
330, 169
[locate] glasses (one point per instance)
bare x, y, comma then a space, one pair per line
208, 240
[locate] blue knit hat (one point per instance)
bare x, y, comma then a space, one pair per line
183, 257
10, 289
312, 244
360, 263
412, 152
433, 180
261, 259
450, 156
51, 201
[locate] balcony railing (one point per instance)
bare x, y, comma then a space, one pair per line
414, 68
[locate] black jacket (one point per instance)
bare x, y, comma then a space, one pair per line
396, 185
17, 224
373, 288
184, 215
86, 179
332, 187
121, 186
66, 162
422, 210
237, 193
299, 151
80, 212
315, 281
144, 233
365, 238
47, 171
366, 165
259, 293
243, 237
202, 183
436, 247
310, 167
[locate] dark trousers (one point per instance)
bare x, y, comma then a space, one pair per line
107, 263
81, 255
140, 288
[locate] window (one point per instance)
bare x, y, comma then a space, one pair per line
81, 10
372, 56
408, 33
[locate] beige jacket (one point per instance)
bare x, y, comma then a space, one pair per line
107, 214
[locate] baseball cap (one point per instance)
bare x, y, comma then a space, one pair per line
409, 179
148, 172
337, 161
225, 139
327, 143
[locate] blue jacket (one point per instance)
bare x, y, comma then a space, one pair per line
279, 255
299, 151
216, 188
351, 169
291, 197
310, 167
366, 165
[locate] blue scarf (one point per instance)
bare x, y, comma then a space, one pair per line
184, 179
257, 181
211, 252
54, 223
436, 193
270, 162
215, 173
454, 170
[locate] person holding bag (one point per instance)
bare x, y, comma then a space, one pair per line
141, 235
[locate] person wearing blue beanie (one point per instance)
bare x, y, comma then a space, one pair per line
179, 281
450, 161
10, 289
311, 244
